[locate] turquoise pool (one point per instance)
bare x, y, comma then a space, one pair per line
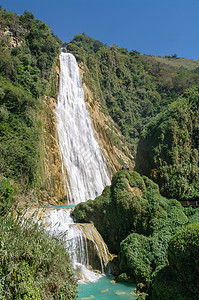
106, 289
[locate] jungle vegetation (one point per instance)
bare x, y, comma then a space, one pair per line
155, 238
168, 148
28, 49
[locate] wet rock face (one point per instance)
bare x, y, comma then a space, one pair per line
54, 191
99, 255
104, 126
53, 187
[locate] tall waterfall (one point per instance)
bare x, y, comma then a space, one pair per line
85, 173
84, 166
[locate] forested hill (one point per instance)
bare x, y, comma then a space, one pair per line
28, 50
152, 98
133, 88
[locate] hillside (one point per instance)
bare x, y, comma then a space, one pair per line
168, 148
136, 90
178, 62
29, 72
131, 87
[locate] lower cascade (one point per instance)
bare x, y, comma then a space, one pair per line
87, 249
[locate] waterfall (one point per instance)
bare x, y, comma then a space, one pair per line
83, 164
85, 174
82, 241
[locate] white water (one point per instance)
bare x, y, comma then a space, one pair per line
58, 222
84, 169
84, 166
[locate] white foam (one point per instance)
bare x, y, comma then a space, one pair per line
84, 166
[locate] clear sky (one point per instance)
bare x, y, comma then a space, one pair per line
156, 27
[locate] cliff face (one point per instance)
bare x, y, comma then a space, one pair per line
104, 128
53, 191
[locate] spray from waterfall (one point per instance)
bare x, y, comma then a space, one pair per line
84, 166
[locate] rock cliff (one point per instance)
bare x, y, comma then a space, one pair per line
104, 126
54, 191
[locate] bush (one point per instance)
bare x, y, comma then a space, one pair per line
6, 195
179, 279
33, 265
183, 255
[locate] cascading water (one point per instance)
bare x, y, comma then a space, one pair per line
84, 166
84, 169
78, 238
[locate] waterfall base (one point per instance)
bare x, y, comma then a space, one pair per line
88, 251
107, 288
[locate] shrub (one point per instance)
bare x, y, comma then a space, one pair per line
179, 279
33, 265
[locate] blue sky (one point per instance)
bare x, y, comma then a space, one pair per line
156, 27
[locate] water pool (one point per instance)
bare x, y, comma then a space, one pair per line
58, 206
106, 289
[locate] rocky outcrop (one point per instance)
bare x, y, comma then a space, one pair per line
96, 244
53, 190
104, 126
9, 37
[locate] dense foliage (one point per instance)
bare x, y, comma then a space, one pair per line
179, 279
28, 49
136, 221
87, 43
168, 148
33, 265
6, 195
142, 227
